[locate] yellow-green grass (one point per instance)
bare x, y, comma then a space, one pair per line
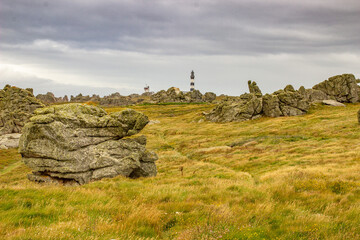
286, 178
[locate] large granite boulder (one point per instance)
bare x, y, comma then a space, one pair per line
342, 88
287, 102
246, 107
76, 144
16, 107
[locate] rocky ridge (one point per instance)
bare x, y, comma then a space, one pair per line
286, 102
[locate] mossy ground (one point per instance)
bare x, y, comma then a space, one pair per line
285, 178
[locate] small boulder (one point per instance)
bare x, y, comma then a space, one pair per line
9, 140
333, 103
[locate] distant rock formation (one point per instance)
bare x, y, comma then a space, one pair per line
287, 102
49, 98
80, 98
76, 144
174, 94
116, 99
16, 107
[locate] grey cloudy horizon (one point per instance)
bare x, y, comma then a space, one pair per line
100, 47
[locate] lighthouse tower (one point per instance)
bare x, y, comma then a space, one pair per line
192, 81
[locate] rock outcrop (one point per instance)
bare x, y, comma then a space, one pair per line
313, 95
246, 107
174, 94
342, 88
76, 144
194, 96
287, 102
16, 107
116, 99
80, 98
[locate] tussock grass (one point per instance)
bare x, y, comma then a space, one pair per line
270, 178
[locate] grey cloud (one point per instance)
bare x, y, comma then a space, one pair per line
165, 27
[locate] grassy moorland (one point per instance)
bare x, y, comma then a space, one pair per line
284, 178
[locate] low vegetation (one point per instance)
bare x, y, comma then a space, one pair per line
270, 178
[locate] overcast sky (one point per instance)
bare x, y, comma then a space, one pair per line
92, 46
